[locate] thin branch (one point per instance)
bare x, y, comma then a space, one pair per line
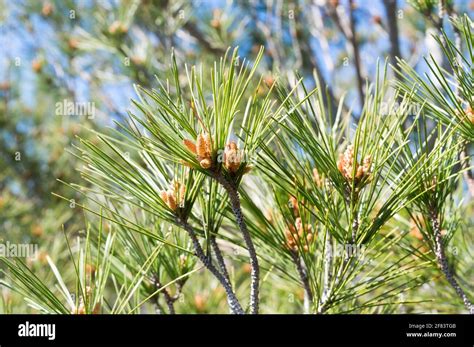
237, 210
220, 258
443, 262
391, 15
327, 266
310, 62
168, 298
231, 298
356, 52
308, 294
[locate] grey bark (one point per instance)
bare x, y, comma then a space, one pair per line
443, 262
231, 297
237, 211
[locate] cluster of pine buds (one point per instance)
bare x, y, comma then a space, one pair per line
299, 233
346, 164
232, 157
174, 197
202, 149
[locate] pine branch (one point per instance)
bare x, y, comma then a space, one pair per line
356, 51
168, 298
231, 298
391, 15
234, 198
328, 254
443, 262
220, 258
302, 272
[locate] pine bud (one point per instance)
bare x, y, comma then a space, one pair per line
298, 234
470, 114
206, 163
37, 231
347, 165
203, 150
37, 65
269, 81
201, 147
47, 9
232, 157
200, 302
377, 19
81, 309
171, 200
174, 197
190, 145
293, 202
117, 27
317, 179
216, 18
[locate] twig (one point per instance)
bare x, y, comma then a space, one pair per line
168, 298
355, 50
355, 227
443, 262
391, 14
310, 62
231, 298
237, 210
220, 258
308, 294
327, 266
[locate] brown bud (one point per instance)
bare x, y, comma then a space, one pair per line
206, 163
269, 81
80, 309
4, 86
232, 157
247, 268
96, 309
317, 179
171, 200
377, 19
470, 114
117, 27
47, 9
294, 204
90, 269
37, 65
73, 43
200, 302
203, 150
37, 231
